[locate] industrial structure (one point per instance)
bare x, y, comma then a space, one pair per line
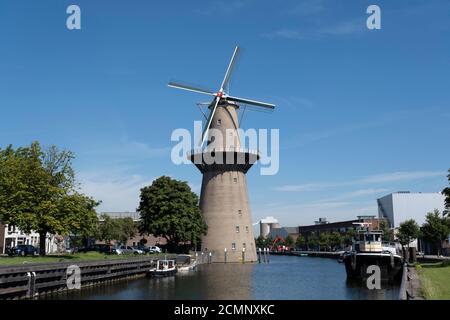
223, 162
266, 225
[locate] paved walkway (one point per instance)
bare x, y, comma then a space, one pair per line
413, 287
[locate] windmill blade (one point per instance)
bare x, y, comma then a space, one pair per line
189, 88
226, 79
252, 102
208, 123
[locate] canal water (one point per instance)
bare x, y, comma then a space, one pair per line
285, 277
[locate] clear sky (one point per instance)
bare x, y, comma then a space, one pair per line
361, 113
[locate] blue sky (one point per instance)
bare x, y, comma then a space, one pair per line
361, 113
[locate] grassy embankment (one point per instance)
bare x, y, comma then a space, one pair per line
435, 280
89, 256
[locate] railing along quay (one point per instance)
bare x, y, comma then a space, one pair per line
31, 280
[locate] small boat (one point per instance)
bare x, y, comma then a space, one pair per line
369, 250
164, 268
191, 267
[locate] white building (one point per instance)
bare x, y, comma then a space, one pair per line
400, 206
11, 236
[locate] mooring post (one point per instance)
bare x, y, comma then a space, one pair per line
259, 255
268, 256
225, 253
210, 257
243, 255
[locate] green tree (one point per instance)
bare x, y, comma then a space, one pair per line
169, 209
446, 192
108, 229
38, 191
313, 241
324, 241
288, 241
407, 232
300, 242
127, 229
260, 242
435, 229
349, 237
387, 232
336, 239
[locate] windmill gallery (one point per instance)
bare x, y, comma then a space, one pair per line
224, 199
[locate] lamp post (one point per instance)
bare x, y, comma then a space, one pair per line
243, 255
225, 253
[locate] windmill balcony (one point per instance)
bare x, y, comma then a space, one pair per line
223, 159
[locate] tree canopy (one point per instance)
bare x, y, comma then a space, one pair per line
408, 231
169, 209
38, 191
119, 229
288, 241
435, 229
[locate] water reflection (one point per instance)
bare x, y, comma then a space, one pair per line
283, 278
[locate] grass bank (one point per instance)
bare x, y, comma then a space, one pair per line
88, 256
435, 280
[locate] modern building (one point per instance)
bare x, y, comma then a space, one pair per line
400, 206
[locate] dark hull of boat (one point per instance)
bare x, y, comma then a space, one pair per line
356, 266
158, 273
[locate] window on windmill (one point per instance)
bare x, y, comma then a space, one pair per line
233, 246
240, 211
219, 122
243, 245
237, 228
235, 180
246, 228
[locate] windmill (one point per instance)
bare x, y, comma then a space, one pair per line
224, 199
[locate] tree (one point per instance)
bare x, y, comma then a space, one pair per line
288, 241
38, 191
300, 241
387, 232
108, 229
324, 240
349, 237
435, 229
446, 192
126, 229
336, 239
169, 209
260, 242
407, 232
312, 241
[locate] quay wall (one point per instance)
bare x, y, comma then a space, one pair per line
31, 280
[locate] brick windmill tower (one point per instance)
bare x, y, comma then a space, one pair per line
224, 199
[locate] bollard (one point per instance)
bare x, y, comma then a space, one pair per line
225, 253
202, 257
268, 256
259, 255
210, 258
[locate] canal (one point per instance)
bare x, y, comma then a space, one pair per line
285, 277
